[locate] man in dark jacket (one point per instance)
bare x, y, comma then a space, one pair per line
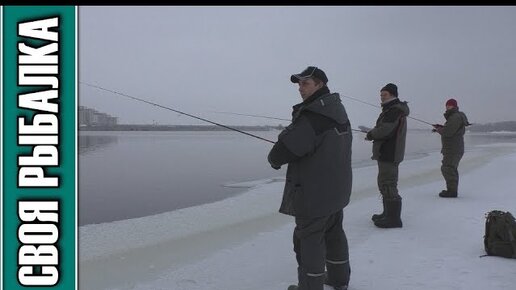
388, 138
452, 139
317, 148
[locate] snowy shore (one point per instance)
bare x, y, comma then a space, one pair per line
243, 243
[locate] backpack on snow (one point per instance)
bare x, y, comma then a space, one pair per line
500, 235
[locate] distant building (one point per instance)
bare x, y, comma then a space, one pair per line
90, 117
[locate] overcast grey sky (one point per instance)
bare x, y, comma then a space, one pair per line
239, 59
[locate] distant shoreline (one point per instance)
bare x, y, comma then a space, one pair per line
143, 127
124, 127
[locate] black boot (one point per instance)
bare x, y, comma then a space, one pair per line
448, 193
308, 282
327, 282
392, 217
379, 216
295, 287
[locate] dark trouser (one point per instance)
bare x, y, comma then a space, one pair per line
388, 180
320, 242
449, 170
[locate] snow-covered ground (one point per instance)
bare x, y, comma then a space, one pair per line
243, 243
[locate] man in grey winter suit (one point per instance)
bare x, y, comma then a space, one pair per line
452, 139
388, 138
317, 148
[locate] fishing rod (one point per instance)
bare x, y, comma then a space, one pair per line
174, 110
267, 117
376, 106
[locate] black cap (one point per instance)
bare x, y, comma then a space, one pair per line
310, 72
391, 88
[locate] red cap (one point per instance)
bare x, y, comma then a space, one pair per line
451, 102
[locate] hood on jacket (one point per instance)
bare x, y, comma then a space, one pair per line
454, 110
396, 103
329, 105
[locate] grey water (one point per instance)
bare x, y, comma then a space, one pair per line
132, 174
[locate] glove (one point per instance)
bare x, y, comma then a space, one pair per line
275, 167
369, 136
437, 127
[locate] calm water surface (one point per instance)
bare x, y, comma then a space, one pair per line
132, 174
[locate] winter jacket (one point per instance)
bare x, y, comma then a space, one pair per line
452, 133
390, 132
317, 148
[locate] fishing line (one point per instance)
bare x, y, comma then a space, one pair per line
249, 115
267, 117
376, 106
174, 110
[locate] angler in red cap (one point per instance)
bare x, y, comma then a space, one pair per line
452, 139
